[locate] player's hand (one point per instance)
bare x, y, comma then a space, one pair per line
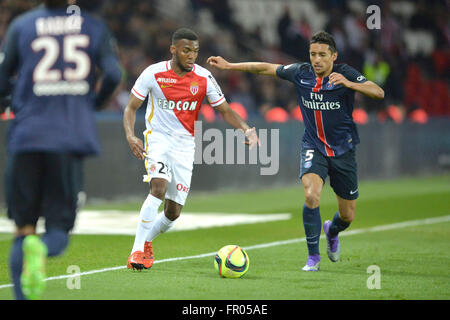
218, 62
337, 78
137, 147
252, 137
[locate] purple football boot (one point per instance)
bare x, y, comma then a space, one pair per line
313, 263
333, 246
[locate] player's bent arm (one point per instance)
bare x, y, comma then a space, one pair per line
231, 117
263, 68
129, 119
368, 88
234, 120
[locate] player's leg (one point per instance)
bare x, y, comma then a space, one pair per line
165, 220
33, 274
59, 187
158, 176
149, 211
22, 186
140, 256
63, 179
161, 224
341, 221
343, 179
177, 192
176, 196
27, 259
312, 223
344, 216
313, 172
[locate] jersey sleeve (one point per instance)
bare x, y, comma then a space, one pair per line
288, 72
213, 92
352, 74
142, 86
107, 51
110, 67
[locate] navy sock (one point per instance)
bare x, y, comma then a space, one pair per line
337, 225
313, 225
56, 241
15, 265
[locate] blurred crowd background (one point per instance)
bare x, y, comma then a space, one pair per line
409, 57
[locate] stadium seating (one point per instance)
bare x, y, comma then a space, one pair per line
360, 116
296, 114
276, 114
240, 110
208, 113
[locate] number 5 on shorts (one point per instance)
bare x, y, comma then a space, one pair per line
309, 155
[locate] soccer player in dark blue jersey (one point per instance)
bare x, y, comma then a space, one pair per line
326, 96
47, 64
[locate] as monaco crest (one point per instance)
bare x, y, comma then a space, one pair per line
194, 88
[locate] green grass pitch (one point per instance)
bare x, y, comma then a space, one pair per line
413, 260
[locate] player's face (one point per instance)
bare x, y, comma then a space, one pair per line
321, 58
185, 53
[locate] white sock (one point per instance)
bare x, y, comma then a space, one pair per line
161, 225
147, 216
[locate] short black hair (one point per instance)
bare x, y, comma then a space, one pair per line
184, 33
325, 38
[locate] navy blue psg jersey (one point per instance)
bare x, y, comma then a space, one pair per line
52, 56
326, 109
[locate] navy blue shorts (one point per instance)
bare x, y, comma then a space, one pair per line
43, 184
342, 170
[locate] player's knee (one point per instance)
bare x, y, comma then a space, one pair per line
158, 189
312, 199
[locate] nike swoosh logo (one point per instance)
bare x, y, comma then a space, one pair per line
353, 192
146, 221
304, 82
164, 86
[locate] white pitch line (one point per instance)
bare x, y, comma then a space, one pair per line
392, 226
117, 222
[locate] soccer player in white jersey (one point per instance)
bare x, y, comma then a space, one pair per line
175, 91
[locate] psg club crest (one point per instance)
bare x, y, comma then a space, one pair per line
329, 86
194, 88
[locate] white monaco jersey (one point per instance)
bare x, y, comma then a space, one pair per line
173, 101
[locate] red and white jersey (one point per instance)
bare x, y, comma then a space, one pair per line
174, 102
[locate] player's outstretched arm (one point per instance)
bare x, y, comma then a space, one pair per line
368, 88
129, 119
264, 68
234, 120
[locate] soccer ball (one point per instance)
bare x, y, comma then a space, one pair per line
231, 262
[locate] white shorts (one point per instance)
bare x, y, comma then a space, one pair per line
170, 158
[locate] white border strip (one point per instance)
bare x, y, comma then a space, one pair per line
392, 226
